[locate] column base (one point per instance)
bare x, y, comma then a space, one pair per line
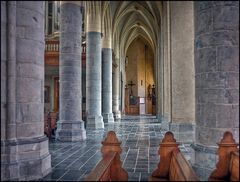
108, 118
183, 132
95, 122
204, 160
165, 123
117, 115
25, 159
70, 131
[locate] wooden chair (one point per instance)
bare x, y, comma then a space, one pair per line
172, 166
110, 167
227, 168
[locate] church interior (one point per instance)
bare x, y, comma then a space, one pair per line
119, 90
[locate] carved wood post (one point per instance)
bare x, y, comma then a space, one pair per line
226, 146
167, 145
112, 144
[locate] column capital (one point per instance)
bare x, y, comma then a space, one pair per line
93, 16
107, 42
79, 3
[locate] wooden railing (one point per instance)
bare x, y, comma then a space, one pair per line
110, 167
172, 166
53, 46
227, 168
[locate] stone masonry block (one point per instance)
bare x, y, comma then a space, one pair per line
71, 94
66, 78
205, 23
30, 130
37, 6
206, 60
68, 105
33, 88
228, 58
3, 42
29, 70
203, 5
30, 51
221, 38
3, 13
26, 112
32, 33
225, 18
232, 80
72, 18
218, 96
220, 80
29, 18
226, 115
70, 70
226, 3
209, 114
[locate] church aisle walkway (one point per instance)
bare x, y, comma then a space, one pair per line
140, 138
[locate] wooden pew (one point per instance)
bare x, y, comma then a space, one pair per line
227, 168
172, 166
110, 167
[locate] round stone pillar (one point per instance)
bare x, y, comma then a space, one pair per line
107, 81
24, 147
217, 78
94, 67
116, 82
70, 125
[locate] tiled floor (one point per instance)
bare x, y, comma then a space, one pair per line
140, 138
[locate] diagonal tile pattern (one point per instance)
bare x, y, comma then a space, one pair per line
140, 138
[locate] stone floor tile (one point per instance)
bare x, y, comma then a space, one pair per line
140, 138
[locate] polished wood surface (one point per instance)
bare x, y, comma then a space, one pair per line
228, 156
110, 167
172, 166
234, 166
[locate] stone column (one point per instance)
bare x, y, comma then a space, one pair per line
24, 147
181, 60
107, 80
217, 78
116, 82
70, 125
93, 67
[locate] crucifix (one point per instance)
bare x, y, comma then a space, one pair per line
131, 84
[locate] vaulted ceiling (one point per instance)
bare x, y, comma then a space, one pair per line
132, 19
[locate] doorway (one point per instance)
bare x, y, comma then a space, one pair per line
140, 96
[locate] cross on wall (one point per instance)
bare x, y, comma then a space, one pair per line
131, 85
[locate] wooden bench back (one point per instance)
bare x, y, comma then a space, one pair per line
110, 167
234, 166
227, 167
180, 169
172, 166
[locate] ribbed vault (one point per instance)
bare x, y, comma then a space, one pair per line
132, 19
